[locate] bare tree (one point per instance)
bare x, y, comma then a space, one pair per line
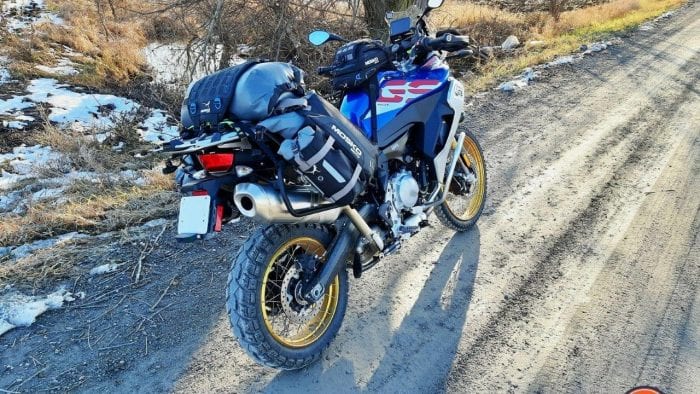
556, 7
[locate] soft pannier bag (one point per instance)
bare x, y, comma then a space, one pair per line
327, 168
331, 153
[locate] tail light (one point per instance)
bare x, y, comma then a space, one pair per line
216, 162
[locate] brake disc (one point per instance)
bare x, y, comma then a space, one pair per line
296, 310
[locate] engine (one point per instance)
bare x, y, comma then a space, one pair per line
403, 191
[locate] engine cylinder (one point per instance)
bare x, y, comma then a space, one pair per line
405, 190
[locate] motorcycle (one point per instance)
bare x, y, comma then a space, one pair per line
390, 156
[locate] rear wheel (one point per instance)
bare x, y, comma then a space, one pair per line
466, 194
268, 316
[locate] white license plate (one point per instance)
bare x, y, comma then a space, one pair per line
194, 215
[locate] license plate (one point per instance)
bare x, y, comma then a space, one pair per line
194, 215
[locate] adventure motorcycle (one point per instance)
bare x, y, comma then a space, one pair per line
337, 188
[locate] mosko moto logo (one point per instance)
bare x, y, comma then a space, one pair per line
374, 60
353, 147
207, 107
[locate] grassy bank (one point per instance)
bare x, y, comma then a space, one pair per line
489, 26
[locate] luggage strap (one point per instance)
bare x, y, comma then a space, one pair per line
306, 165
348, 186
216, 107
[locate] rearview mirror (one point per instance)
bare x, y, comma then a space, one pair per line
319, 37
435, 3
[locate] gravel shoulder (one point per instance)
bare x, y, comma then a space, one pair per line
581, 276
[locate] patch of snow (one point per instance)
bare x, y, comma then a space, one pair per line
14, 124
80, 110
4, 75
21, 14
104, 269
48, 193
7, 201
21, 251
666, 15
156, 127
118, 147
64, 67
24, 160
568, 59
8, 180
169, 62
523, 80
19, 310
594, 47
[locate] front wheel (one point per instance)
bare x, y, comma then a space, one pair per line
466, 194
270, 320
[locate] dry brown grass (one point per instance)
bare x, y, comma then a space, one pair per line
114, 45
50, 264
94, 206
490, 26
82, 151
104, 202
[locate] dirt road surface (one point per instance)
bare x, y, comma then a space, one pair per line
582, 275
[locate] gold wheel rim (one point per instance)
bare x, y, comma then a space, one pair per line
308, 333
473, 159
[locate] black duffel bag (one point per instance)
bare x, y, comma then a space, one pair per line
247, 92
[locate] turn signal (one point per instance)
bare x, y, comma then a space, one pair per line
216, 162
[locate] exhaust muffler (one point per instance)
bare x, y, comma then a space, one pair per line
264, 203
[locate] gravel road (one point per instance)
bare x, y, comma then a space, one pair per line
582, 275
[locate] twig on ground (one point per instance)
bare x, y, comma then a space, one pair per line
148, 248
138, 328
31, 377
88, 337
107, 311
163, 294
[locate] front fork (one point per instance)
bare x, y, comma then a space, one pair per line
350, 227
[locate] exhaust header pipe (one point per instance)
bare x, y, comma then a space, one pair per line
264, 203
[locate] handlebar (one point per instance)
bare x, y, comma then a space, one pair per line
449, 42
325, 70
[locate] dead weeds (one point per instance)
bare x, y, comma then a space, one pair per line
490, 26
90, 207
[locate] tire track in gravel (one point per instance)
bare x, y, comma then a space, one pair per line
604, 206
498, 337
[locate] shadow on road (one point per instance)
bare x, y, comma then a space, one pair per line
421, 350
